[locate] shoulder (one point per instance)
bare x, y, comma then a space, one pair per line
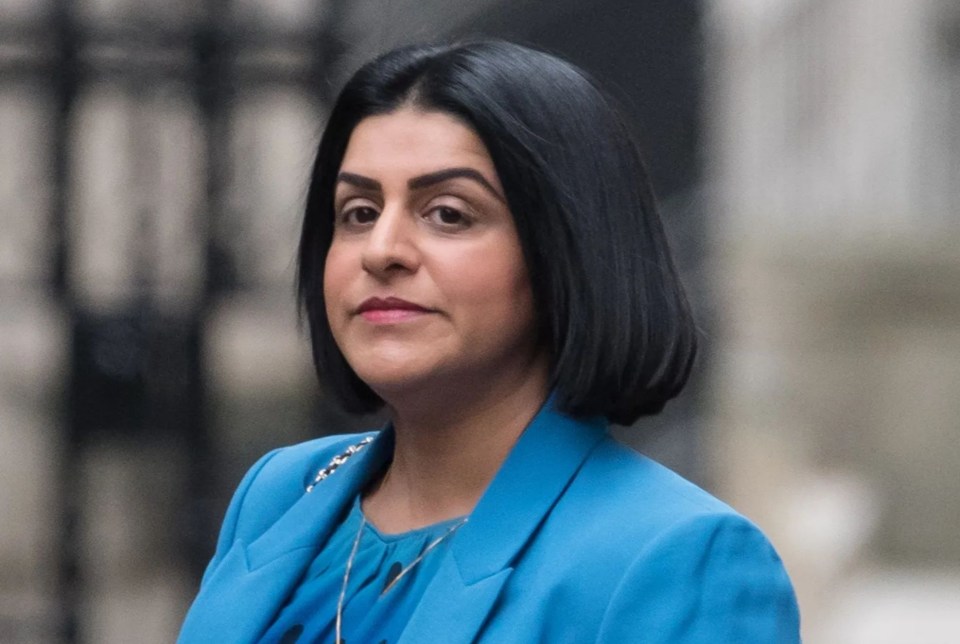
642, 498
686, 553
648, 507
635, 551
622, 506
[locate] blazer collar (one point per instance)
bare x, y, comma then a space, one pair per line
312, 518
541, 464
248, 587
532, 478
538, 468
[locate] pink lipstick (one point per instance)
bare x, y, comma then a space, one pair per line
389, 309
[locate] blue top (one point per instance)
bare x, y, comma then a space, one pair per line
576, 539
369, 614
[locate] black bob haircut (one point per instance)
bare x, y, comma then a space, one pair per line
610, 307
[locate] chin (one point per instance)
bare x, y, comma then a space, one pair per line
412, 385
391, 365
391, 378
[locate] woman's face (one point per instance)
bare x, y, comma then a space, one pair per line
425, 284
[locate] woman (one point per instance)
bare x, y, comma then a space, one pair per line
481, 256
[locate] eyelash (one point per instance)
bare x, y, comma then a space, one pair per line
463, 221
347, 216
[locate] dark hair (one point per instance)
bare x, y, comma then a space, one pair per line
610, 306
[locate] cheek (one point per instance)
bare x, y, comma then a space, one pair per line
334, 280
518, 295
496, 284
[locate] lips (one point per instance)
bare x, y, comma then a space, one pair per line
389, 309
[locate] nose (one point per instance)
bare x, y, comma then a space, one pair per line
391, 245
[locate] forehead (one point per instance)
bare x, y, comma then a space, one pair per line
412, 141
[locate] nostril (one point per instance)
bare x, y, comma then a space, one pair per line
383, 258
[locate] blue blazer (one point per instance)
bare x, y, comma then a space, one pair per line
577, 539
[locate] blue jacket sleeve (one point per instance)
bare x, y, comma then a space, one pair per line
714, 578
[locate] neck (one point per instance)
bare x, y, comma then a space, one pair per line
446, 454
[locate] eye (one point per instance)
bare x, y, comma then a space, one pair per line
363, 215
358, 215
448, 217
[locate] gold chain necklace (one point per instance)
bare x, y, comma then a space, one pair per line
353, 553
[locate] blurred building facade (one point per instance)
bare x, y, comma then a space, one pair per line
835, 169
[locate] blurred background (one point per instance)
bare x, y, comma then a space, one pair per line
153, 162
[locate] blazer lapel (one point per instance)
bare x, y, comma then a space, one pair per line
238, 603
249, 586
452, 611
310, 520
475, 568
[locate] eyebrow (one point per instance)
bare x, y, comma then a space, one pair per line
359, 181
440, 176
424, 180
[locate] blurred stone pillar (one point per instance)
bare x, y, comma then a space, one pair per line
34, 333
135, 277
